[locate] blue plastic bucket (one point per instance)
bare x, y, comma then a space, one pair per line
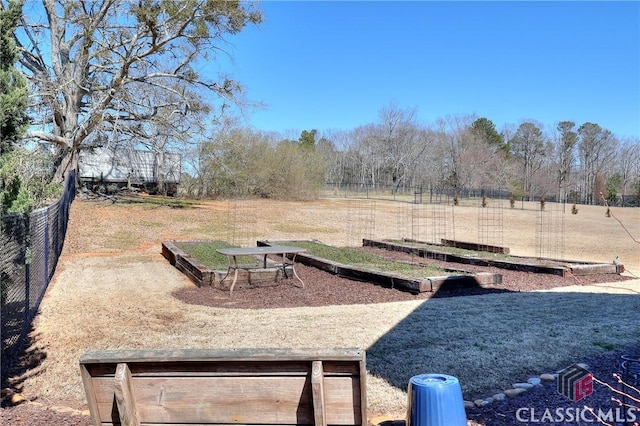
435, 400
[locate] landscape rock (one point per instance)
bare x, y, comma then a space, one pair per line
480, 402
535, 381
514, 392
499, 396
522, 386
547, 377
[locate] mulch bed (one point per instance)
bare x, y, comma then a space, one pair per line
322, 289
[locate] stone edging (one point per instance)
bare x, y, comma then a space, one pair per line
515, 389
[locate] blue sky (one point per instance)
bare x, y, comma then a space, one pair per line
334, 65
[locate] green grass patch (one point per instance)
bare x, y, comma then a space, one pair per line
206, 253
349, 256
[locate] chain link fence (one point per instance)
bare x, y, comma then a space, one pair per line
30, 248
438, 195
415, 194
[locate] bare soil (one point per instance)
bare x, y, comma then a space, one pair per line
120, 245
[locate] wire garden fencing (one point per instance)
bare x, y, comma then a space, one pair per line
30, 248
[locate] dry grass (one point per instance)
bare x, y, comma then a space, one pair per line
113, 290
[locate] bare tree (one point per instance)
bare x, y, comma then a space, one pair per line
364, 156
401, 143
458, 145
333, 147
628, 166
112, 65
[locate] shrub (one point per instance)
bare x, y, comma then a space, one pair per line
25, 181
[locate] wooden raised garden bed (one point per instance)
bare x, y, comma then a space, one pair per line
202, 275
390, 279
226, 387
510, 262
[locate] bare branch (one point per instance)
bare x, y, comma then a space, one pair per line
44, 136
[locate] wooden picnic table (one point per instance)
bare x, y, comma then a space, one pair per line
233, 253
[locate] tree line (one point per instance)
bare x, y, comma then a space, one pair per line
576, 163
77, 75
572, 162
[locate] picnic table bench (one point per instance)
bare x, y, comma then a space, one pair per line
225, 387
233, 253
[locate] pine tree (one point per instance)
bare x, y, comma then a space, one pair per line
13, 104
13, 85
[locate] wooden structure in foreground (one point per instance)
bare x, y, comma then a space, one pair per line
226, 387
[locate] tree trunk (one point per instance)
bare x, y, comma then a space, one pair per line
160, 171
66, 160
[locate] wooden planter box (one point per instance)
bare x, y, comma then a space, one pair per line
201, 275
230, 387
391, 280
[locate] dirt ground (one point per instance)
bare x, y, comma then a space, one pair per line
112, 288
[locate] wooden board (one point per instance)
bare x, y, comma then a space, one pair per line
249, 386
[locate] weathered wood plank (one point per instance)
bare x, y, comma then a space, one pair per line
360, 391
125, 396
223, 368
474, 246
90, 392
317, 390
228, 399
203, 355
225, 400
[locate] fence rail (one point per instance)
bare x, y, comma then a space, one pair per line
417, 194
438, 195
31, 245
